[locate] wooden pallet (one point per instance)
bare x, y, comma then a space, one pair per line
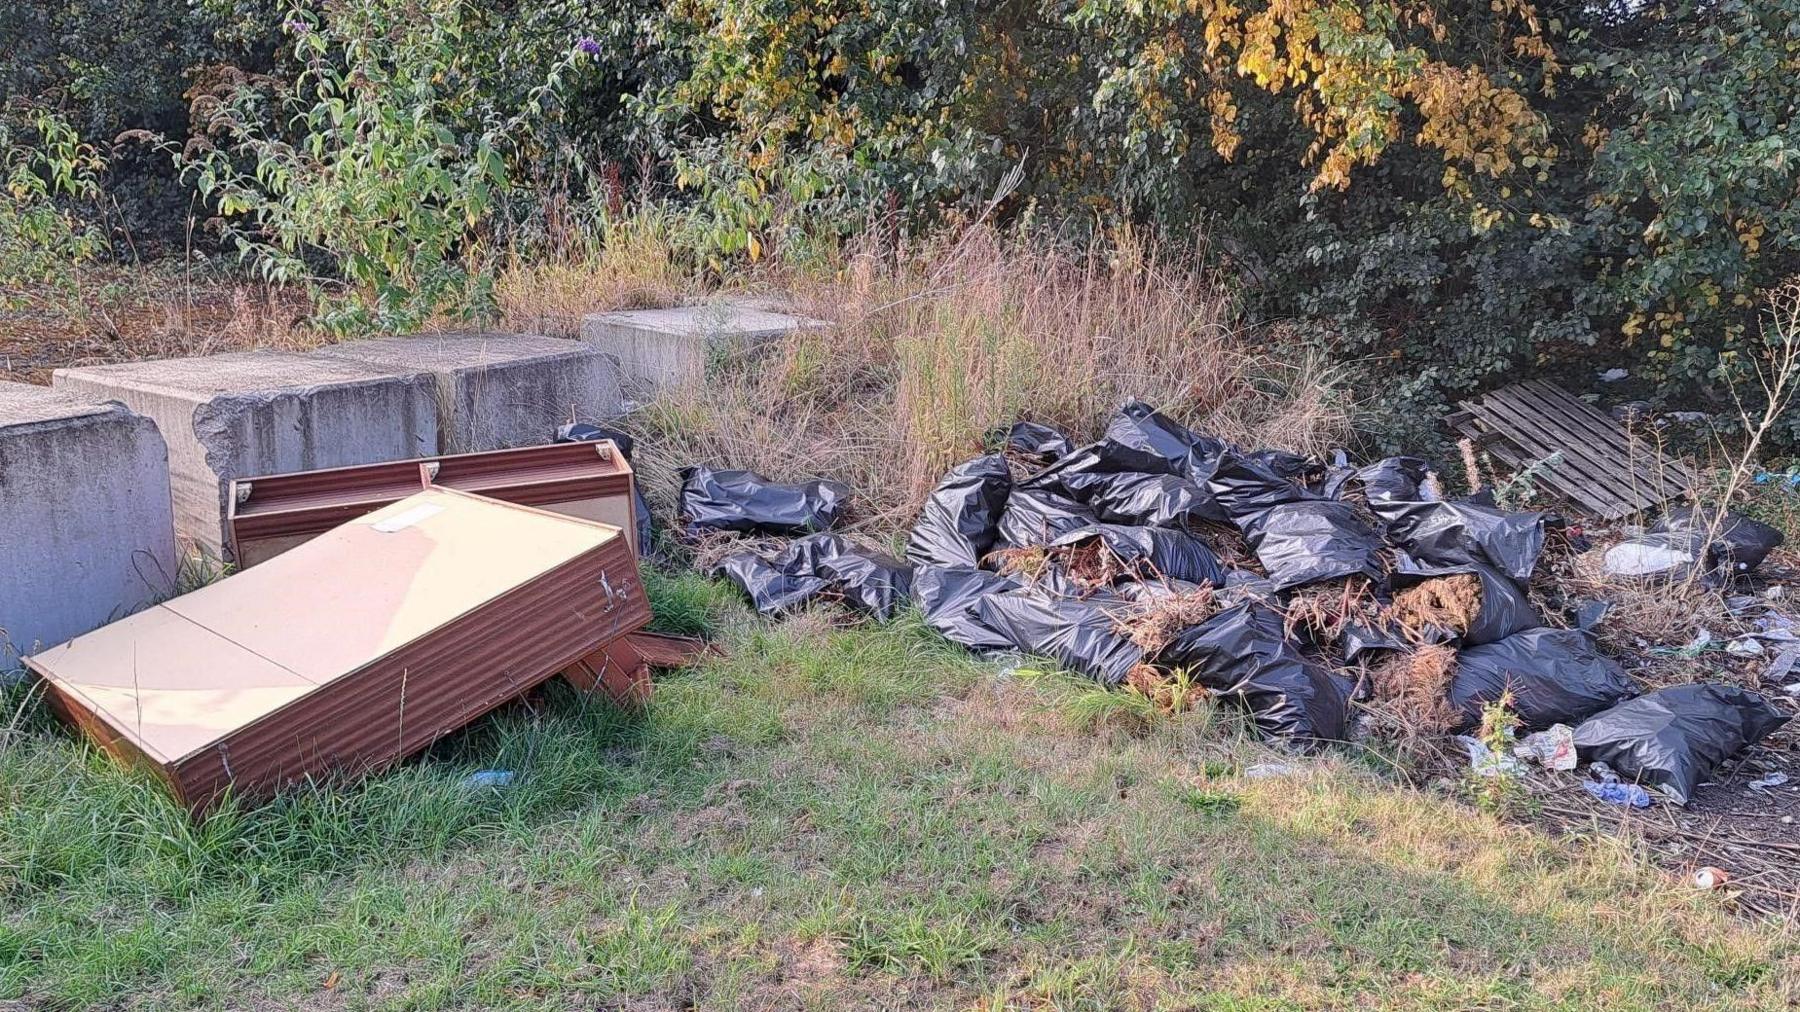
1603, 468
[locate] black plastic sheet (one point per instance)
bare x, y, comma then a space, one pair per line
871, 581
961, 519
1460, 533
1034, 517
1154, 500
1243, 655
1672, 739
947, 596
1505, 609
1392, 478
1556, 677
1244, 487
1043, 442
1153, 552
746, 502
1739, 544
1078, 633
1307, 542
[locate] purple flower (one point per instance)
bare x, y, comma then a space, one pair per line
296, 26
588, 44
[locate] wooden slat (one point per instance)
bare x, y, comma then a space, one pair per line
1574, 477
1602, 467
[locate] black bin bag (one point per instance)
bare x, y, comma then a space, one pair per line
1035, 517
746, 502
1307, 542
867, 580
1144, 440
1153, 552
1557, 676
961, 518
1672, 739
1505, 609
1459, 533
1152, 500
1244, 486
1739, 543
1392, 478
1243, 655
1043, 443
947, 597
1078, 633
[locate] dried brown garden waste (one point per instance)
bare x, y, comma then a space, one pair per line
1413, 687
1440, 603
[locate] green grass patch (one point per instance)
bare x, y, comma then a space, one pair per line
833, 817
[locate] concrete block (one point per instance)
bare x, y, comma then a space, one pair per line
86, 531
668, 347
262, 412
496, 391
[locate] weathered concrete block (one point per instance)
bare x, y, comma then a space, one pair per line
86, 533
262, 412
496, 391
667, 347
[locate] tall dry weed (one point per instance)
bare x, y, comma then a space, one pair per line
936, 345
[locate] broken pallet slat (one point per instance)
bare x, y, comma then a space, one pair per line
1601, 467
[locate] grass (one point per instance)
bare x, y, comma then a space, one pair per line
827, 818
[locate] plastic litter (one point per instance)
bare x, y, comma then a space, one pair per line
1552, 748
947, 595
871, 581
490, 779
1153, 552
1485, 762
1394, 478
1157, 500
1768, 780
1747, 646
1668, 556
1243, 655
961, 518
1144, 440
1043, 442
1674, 738
1460, 533
1557, 676
1615, 793
1709, 878
1078, 634
1270, 771
746, 502
1741, 544
1307, 542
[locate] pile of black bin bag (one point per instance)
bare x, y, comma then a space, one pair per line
1148, 489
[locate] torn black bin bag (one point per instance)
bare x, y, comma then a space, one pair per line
871, 581
1036, 517
1045, 443
1152, 552
581, 432
1243, 655
1305, 471
1672, 739
746, 502
947, 596
1739, 544
1078, 633
1154, 500
1505, 609
771, 589
1244, 487
1392, 478
1556, 677
1459, 533
961, 518
1307, 542
1142, 439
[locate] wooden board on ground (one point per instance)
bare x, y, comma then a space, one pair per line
1599, 465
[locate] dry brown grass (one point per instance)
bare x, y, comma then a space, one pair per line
1442, 602
1152, 623
631, 263
1412, 691
959, 335
1321, 611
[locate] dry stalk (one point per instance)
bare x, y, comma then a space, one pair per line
1152, 623
1324, 610
1412, 688
1440, 603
